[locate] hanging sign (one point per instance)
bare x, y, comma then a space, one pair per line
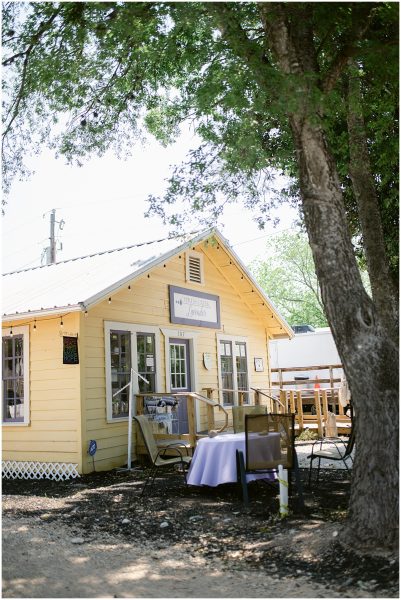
70, 350
190, 307
207, 360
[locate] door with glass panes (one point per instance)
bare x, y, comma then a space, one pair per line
180, 379
122, 355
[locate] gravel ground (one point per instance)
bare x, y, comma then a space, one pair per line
93, 537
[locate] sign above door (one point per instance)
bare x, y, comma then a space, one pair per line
190, 307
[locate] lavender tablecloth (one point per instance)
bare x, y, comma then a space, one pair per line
214, 460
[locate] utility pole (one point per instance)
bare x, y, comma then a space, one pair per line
52, 247
50, 252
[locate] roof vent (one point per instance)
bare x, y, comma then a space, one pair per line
194, 267
302, 328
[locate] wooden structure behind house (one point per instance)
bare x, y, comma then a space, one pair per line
307, 376
187, 316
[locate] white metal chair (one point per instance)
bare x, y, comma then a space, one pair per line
158, 456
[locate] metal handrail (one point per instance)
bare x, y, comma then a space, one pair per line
195, 396
267, 396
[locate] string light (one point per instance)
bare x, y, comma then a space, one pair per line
34, 321
129, 288
86, 313
109, 300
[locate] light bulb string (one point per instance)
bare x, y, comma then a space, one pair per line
36, 322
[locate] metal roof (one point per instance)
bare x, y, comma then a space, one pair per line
78, 283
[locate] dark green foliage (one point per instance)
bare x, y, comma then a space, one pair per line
108, 72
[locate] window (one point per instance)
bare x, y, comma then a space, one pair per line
120, 358
146, 355
178, 365
194, 267
242, 366
227, 371
233, 369
129, 346
16, 377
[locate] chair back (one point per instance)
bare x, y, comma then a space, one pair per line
350, 444
147, 434
239, 413
269, 441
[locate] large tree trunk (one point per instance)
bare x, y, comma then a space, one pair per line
369, 356
383, 291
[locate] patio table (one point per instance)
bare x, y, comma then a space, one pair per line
214, 460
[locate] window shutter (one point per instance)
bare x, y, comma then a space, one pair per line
194, 267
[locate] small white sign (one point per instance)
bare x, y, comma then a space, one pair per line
258, 364
207, 360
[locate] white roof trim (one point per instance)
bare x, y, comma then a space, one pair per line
115, 287
58, 310
261, 292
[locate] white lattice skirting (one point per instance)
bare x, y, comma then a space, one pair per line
14, 469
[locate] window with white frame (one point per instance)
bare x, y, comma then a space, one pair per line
129, 346
233, 369
15, 359
194, 267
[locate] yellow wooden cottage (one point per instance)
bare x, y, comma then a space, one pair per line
186, 316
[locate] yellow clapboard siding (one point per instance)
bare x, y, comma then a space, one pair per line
94, 353
96, 413
40, 456
54, 384
95, 372
57, 404
60, 414
53, 433
63, 376
56, 435
107, 430
111, 442
41, 445
95, 402
40, 423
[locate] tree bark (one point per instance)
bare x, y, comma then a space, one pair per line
383, 290
369, 355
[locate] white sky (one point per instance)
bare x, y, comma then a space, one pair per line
103, 203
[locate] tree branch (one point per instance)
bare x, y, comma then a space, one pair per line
361, 16
35, 39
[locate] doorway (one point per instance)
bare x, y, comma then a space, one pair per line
180, 379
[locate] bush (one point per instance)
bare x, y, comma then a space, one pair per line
307, 434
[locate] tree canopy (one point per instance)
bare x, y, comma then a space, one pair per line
87, 76
287, 274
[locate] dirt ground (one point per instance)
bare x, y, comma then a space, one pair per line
93, 537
